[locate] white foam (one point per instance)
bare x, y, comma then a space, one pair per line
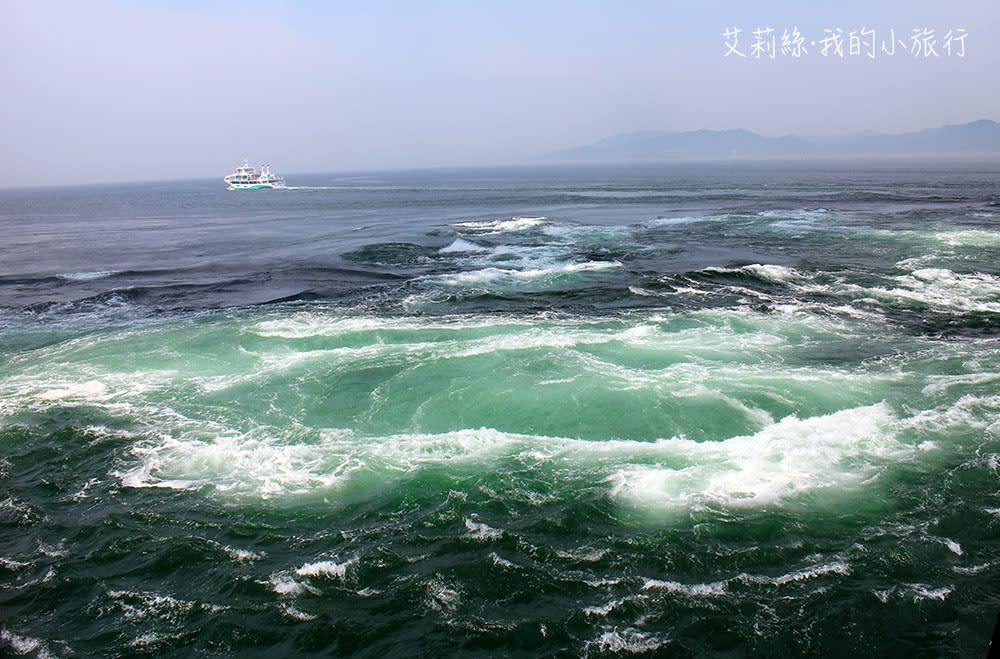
779, 463
513, 278
938, 288
326, 569
501, 561
442, 596
721, 588
513, 225
85, 390
775, 273
944, 288
481, 531
691, 590
914, 592
282, 584
836, 567
963, 414
924, 592
11, 564
21, 509
972, 569
636, 290
610, 606
57, 551
629, 640
141, 477
140, 605
688, 219
285, 585
296, 614
516, 257
941, 383
602, 583
462, 246
261, 466
312, 324
24, 644
770, 272
952, 546
968, 237
87, 276
242, 555
796, 214
147, 642
586, 553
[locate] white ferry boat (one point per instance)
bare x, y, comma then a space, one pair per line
250, 178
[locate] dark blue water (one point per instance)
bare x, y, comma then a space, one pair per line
680, 410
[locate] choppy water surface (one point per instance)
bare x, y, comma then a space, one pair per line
594, 411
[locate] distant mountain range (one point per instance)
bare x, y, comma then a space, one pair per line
975, 138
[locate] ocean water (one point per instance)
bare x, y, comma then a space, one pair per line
593, 411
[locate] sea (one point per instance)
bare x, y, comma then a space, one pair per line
691, 410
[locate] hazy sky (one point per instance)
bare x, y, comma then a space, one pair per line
118, 90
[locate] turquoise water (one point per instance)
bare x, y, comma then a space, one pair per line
531, 412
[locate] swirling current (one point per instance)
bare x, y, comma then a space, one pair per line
593, 411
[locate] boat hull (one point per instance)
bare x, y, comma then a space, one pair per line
254, 186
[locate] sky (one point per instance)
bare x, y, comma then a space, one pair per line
116, 90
